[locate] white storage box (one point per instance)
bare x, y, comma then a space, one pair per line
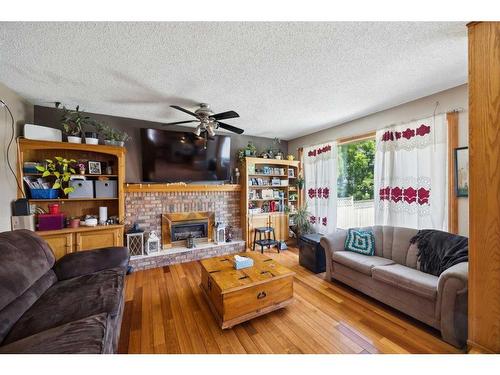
83, 189
106, 189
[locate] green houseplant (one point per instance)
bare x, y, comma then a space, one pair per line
72, 122
62, 170
299, 182
112, 137
301, 220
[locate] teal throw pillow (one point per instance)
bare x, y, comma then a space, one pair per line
360, 241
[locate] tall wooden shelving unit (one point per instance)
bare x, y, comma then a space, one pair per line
83, 238
252, 169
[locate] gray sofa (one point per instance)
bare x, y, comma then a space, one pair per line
74, 305
392, 276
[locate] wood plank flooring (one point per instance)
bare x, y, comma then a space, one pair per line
165, 312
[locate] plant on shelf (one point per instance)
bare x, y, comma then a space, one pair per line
299, 182
73, 122
301, 220
61, 169
112, 137
249, 150
275, 152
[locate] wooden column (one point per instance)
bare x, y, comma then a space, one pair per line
452, 119
300, 158
484, 196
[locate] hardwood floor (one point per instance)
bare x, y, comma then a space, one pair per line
165, 312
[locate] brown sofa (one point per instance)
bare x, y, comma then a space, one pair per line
74, 305
392, 276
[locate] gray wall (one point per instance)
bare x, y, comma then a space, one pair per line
50, 117
454, 98
22, 112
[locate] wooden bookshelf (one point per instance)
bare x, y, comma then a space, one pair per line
252, 169
82, 238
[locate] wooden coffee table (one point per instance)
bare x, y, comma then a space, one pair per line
235, 296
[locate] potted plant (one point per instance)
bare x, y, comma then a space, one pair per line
276, 152
112, 137
299, 182
60, 169
249, 150
302, 224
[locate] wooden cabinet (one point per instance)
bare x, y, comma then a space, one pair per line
98, 239
60, 243
69, 240
279, 221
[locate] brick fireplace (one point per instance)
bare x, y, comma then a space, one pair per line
152, 207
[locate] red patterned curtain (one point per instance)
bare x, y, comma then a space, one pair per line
410, 175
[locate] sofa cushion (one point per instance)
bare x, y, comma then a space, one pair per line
409, 279
70, 300
360, 241
89, 335
359, 262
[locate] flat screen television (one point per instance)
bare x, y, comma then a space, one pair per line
172, 156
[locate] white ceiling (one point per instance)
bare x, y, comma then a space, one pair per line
284, 79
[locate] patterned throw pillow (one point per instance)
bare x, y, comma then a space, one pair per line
360, 241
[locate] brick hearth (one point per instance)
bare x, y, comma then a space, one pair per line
182, 255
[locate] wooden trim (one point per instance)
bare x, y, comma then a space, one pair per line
177, 188
356, 138
293, 163
484, 185
452, 120
48, 145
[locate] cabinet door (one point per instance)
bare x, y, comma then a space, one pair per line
98, 239
61, 244
280, 224
255, 221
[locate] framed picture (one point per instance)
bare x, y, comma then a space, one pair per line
291, 172
462, 172
94, 167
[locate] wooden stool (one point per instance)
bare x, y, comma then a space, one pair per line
262, 242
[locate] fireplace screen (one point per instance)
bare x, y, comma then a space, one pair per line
181, 231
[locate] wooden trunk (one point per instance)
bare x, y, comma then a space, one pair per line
235, 296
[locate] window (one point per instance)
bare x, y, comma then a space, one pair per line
355, 190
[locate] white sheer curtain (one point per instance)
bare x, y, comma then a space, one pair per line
411, 175
320, 174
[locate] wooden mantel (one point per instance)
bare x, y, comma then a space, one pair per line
177, 187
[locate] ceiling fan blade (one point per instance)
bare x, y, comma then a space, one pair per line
225, 115
179, 122
231, 128
184, 110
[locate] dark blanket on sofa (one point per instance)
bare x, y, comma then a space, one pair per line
438, 251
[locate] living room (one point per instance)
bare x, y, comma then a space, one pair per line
146, 211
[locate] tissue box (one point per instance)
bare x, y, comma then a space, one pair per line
245, 263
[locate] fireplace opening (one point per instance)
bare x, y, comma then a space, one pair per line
181, 231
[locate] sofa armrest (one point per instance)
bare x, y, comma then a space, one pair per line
90, 261
452, 303
332, 242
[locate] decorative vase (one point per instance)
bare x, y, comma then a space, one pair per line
73, 139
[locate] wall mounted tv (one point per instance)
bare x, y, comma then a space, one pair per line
171, 156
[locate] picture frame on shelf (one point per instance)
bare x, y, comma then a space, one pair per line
94, 167
291, 172
462, 172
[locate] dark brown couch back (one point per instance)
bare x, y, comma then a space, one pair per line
26, 263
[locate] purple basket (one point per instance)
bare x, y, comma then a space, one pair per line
44, 193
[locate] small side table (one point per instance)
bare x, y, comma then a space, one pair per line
267, 240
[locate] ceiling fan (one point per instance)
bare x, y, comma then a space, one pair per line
209, 121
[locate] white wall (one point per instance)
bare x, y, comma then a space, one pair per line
23, 113
454, 98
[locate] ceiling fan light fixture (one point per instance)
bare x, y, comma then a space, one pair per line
197, 131
210, 130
